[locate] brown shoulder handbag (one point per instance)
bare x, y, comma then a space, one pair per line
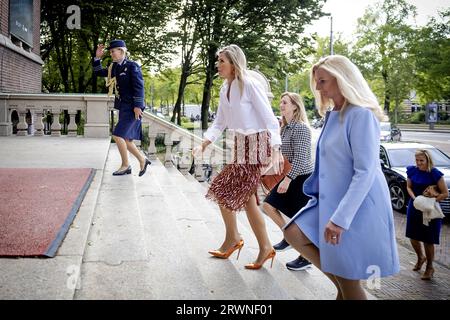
269, 181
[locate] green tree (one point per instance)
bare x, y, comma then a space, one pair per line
432, 57
261, 28
340, 46
74, 49
299, 81
382, 50
188, 37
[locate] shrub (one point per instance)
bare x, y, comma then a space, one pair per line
443, 116
417, 117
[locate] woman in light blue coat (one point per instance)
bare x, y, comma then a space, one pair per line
347, 228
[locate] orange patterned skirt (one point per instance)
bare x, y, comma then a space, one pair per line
239, 180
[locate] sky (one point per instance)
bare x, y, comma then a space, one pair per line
346, 12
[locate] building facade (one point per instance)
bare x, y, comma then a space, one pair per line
20, 61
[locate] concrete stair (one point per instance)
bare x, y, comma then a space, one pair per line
150, 238
280, 282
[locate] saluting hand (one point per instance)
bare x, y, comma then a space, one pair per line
100, 51
137, 113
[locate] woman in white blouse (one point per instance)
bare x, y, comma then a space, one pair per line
245, 109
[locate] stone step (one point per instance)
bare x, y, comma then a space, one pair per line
217, 274
313, 281
275, 283
174, 274
306, 284
115, 262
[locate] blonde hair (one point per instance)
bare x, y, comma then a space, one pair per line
237, 58
124, 50
351, 84
427, 155
299, 111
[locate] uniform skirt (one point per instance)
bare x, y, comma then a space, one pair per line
128, 127
239, 180
290, 202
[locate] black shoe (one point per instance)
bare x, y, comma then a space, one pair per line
298, 264
121, 173
147, 162
282, 246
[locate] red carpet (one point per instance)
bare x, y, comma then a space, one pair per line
37, 207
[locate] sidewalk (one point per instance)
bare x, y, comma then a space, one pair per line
442, 251
407, 285
438, 128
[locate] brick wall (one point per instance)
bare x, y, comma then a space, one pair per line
17, 72
4, 17
36, 26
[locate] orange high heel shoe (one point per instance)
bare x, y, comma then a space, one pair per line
256, 266
226, 254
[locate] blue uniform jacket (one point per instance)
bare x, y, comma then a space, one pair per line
130, 83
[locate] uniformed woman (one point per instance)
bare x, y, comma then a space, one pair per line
126, 82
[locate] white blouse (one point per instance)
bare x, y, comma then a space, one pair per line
246, 114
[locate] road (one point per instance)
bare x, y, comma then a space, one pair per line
439, 140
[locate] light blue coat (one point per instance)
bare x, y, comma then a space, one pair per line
349, 188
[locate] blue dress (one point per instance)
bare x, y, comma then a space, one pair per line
349, 188
415, 229
130, 85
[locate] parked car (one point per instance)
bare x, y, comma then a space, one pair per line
395, 157
389, 132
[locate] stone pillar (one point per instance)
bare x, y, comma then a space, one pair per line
186, 158
31, 126
56, 126
199, 174
22, 126
5, 118
151, 146
168, 143
97, 117
38, 124
72, 127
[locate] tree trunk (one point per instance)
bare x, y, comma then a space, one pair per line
210, 70
94, 78
387, 92
181, 87
60, 46
397, 104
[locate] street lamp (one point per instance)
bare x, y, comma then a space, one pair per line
331, 32
331, 35
286, 81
